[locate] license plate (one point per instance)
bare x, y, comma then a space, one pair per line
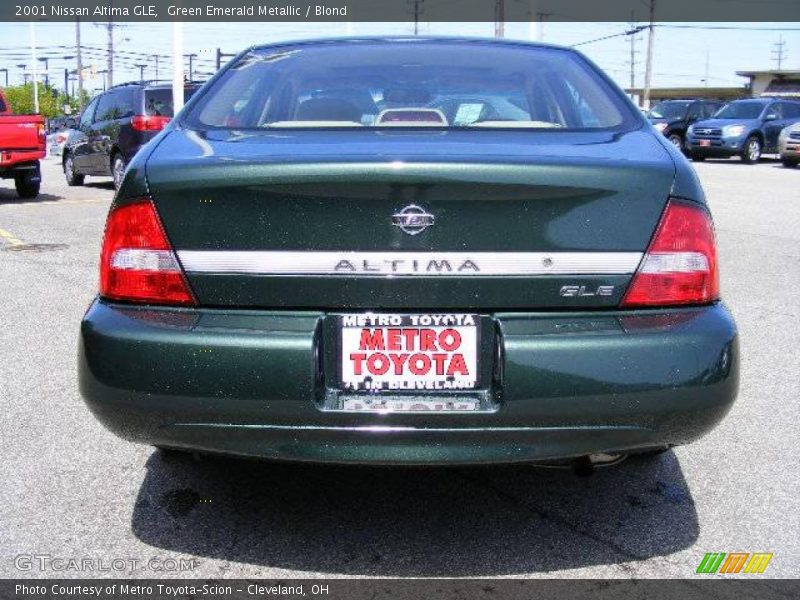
705, 143
422, 353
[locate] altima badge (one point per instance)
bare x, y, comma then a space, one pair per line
412, 219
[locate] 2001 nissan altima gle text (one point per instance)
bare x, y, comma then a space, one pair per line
409, 251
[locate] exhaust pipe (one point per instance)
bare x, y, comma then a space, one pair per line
585, 465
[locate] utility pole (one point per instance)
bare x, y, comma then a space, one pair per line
6, 73
540, 17
79, 72
141, 71
499, 18
708, 70
156, 57
110, 26
417, 12
779, 53
110, 66
648, 70
634, 51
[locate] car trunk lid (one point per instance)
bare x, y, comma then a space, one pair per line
395, 220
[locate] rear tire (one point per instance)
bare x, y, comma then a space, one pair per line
70, 175
676, 140
751, 153
25, 184
789, 163
117, 169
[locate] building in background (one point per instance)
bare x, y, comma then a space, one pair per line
781, 83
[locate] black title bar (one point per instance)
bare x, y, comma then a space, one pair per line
402, 10
696, 588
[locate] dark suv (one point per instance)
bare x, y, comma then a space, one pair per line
673, 117
115, 125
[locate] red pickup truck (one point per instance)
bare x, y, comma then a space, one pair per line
22, 144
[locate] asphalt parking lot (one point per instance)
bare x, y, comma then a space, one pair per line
72, 490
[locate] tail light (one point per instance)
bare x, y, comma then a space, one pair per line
41, 134
680, 266
137, 263
149, 122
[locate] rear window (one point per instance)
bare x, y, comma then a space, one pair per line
411, 84
670, 110
158, 102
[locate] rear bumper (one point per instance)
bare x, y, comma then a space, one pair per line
11, 167
247, 383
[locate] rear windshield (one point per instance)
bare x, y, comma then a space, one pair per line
740, 110
411, 84
158, 102
669, 110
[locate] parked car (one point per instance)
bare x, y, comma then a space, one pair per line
673, 117
789, 145
56, 142
323, 259
61, 123
744, 128
114, 125
22, 145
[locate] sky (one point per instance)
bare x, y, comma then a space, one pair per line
682, 56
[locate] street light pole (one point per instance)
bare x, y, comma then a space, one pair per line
46, 61
191, 65
66, 74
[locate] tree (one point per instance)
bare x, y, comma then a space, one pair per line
51, 101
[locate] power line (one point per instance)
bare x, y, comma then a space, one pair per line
633, 31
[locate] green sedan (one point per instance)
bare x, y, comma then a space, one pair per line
409, 251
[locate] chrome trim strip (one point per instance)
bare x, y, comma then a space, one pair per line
418, 264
